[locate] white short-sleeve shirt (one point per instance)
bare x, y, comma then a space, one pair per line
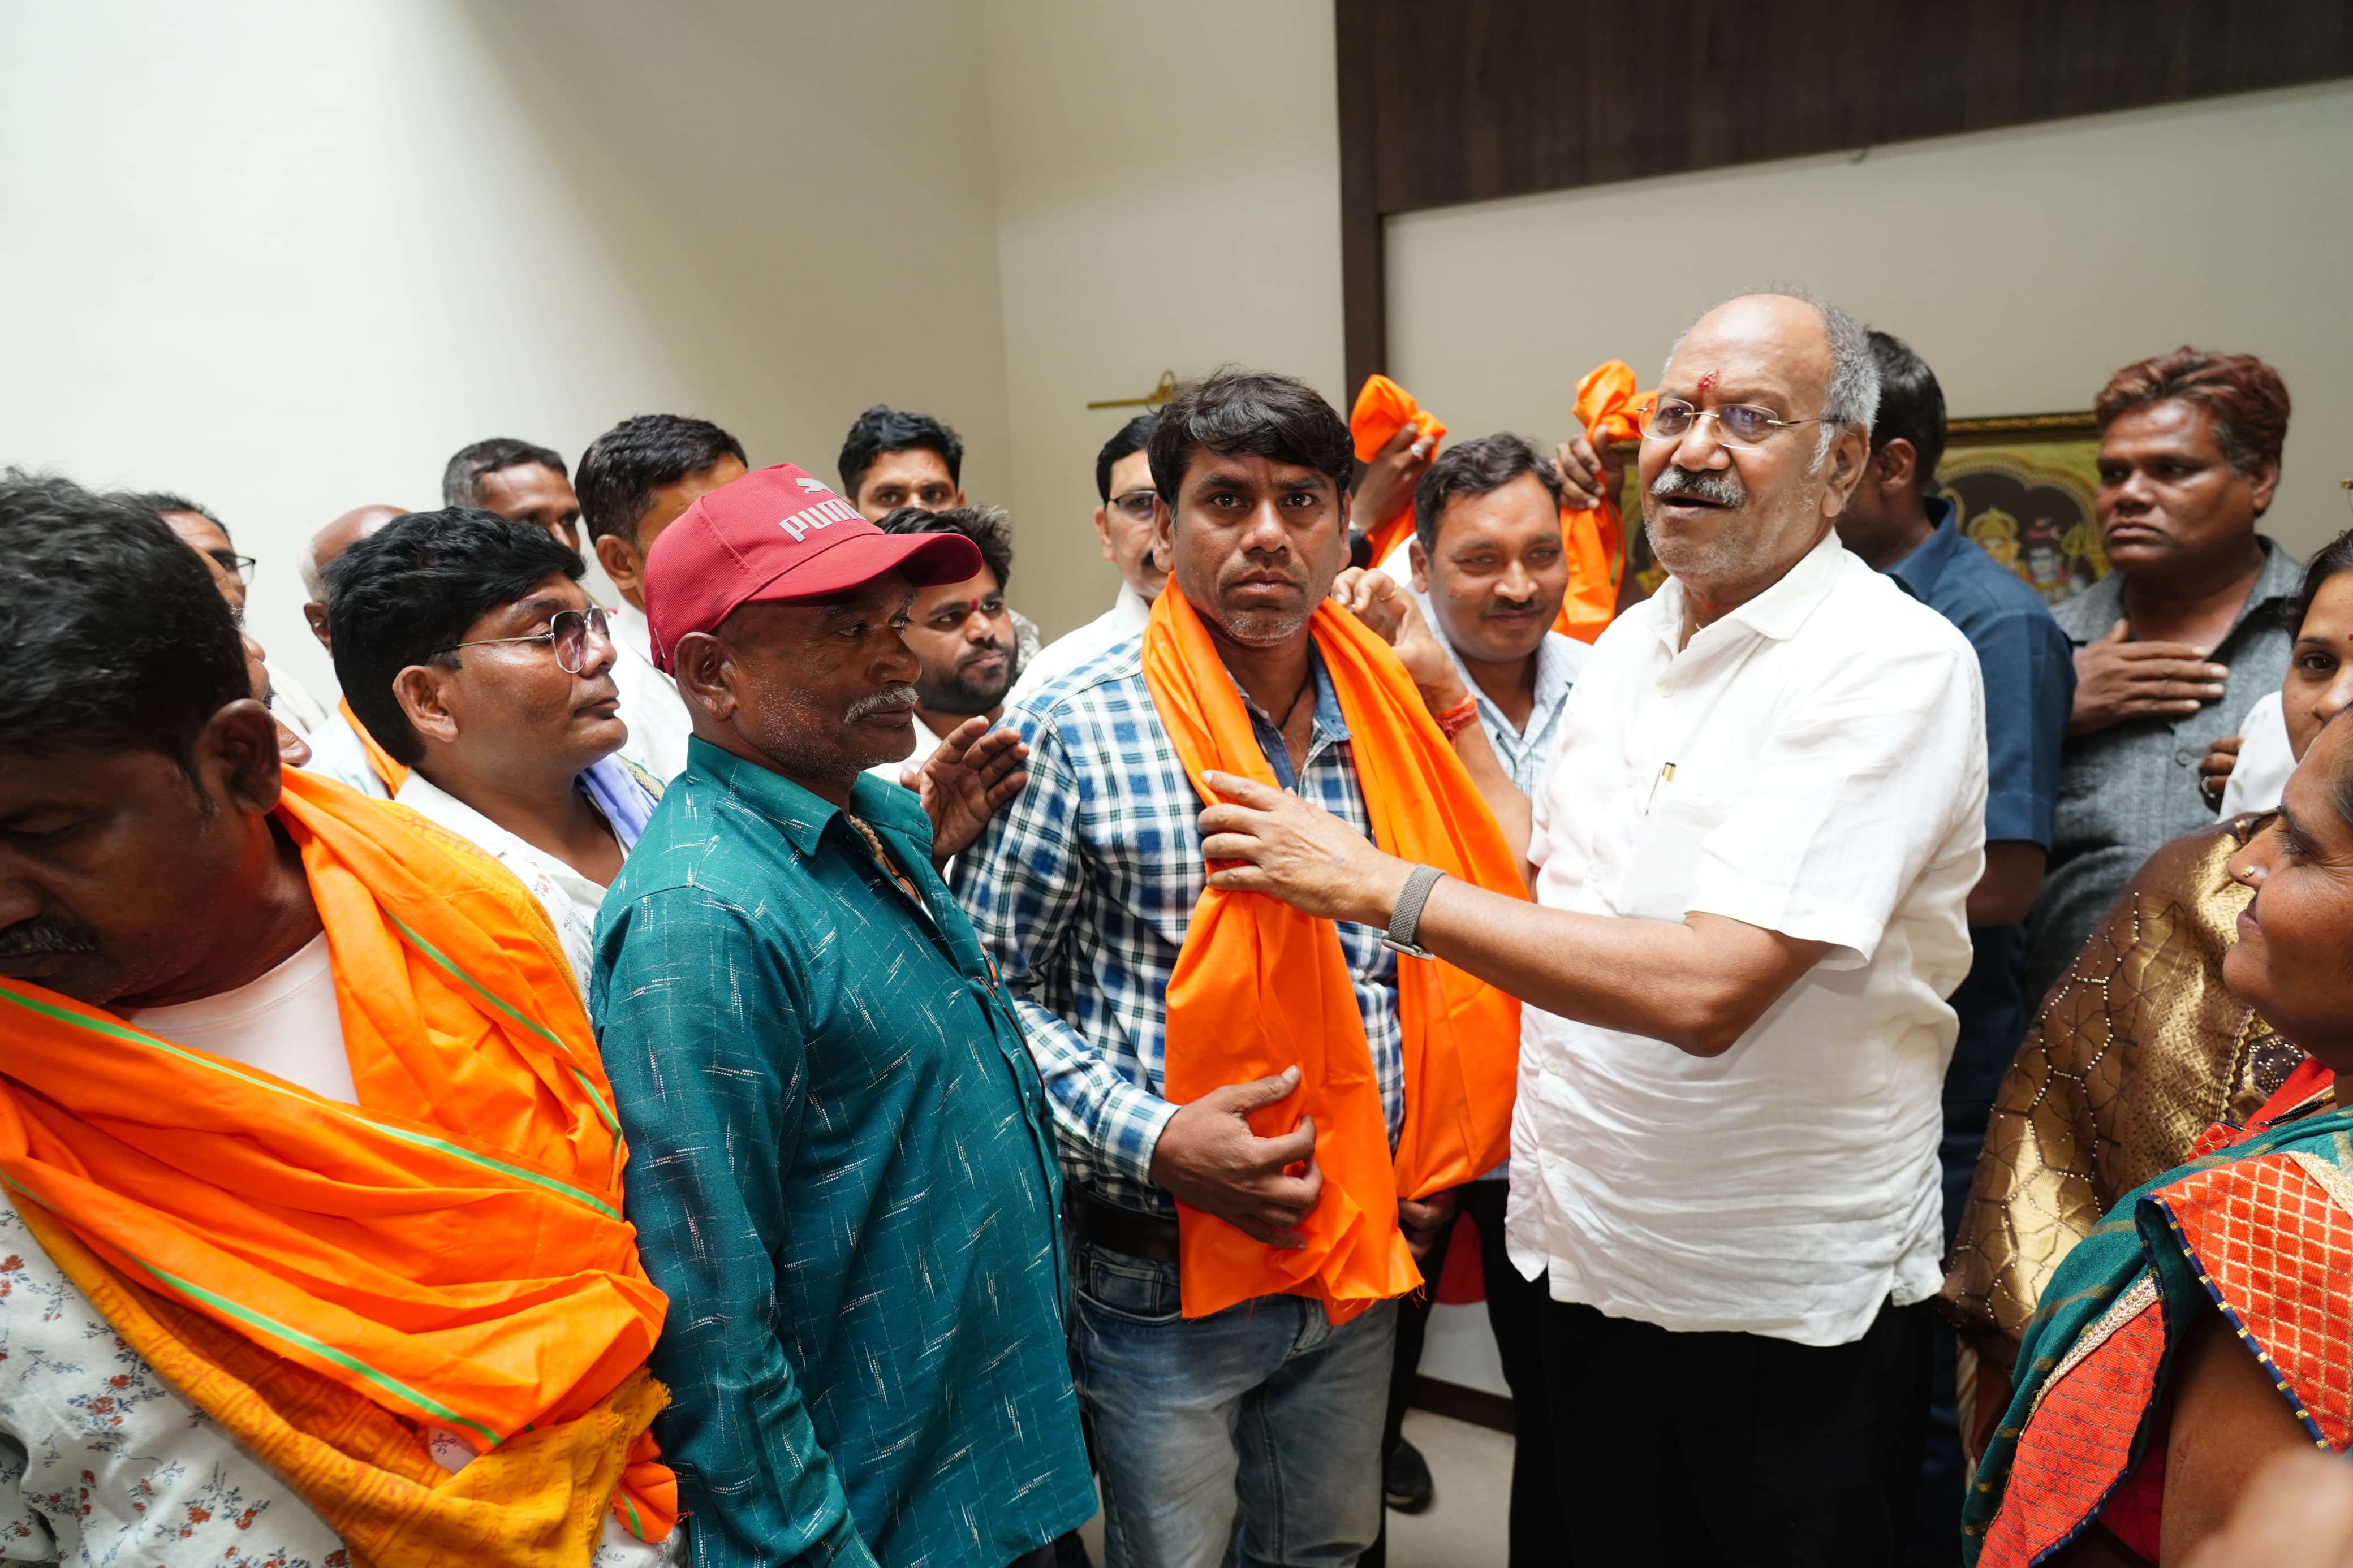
1813, 763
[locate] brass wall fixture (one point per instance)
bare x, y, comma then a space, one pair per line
1161, 390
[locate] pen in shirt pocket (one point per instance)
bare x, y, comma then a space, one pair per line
1666, 776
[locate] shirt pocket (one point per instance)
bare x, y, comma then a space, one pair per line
1663, 858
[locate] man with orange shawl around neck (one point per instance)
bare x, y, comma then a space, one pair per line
1263, 1115
312, 1250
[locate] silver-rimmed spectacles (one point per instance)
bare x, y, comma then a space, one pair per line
1671, 419
567, 633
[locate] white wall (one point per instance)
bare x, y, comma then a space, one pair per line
2023, 265
288, 258
1167, 198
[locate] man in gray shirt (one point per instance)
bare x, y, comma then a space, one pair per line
2181, 635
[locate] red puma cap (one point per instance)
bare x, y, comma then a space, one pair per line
778, 534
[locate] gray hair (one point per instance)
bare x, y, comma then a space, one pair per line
1852, 396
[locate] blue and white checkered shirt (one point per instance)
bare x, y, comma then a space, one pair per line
1083, 889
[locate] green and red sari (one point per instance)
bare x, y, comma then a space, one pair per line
2258, 1225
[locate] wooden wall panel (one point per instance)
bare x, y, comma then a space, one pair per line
1462, 100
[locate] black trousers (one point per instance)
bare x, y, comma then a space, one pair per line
1721, 1449
1516, 1309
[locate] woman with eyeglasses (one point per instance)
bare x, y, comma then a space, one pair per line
468, 647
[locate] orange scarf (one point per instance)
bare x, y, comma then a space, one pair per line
1611, 411
451, 1250
1259, 987
393, 773
1383, 408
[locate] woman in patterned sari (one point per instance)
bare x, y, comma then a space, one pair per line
2139, 1049
2207, 1324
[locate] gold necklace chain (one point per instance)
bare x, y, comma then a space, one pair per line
882, 857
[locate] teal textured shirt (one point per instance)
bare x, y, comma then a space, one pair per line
841, 1171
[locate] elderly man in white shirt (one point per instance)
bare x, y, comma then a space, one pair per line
1752, 861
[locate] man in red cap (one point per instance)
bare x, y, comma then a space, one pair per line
843, 1172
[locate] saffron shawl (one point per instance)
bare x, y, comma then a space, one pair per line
449, 1252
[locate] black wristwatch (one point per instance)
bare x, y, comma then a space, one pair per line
1405, 920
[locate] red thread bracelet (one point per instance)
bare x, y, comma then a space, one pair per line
1459, 717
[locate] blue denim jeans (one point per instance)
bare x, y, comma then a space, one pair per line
1263, 1417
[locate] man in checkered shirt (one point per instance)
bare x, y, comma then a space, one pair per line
1083, 889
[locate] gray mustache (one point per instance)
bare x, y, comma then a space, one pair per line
45, 934
875, 701
1724, 489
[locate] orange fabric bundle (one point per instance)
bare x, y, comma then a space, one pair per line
451, 1250
392, 773
1259, 987
1611, 411
1383, 408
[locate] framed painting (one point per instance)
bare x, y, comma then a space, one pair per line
2020, 484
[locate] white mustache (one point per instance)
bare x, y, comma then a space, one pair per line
875, 701
1724, 490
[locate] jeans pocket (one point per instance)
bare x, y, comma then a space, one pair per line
1132, 1289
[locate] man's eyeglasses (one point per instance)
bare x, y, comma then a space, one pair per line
238, 566
1135, 505
1671, 419
567, 633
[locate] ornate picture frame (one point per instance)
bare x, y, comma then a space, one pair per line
2023, 486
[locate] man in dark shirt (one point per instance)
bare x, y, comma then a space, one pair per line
2181, 637
842, 1171
1899, 526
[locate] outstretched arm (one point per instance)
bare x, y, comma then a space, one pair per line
1698, 984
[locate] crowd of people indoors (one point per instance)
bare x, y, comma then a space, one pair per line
782, 1069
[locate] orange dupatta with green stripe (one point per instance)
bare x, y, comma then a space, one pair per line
1259, 987
451, 1250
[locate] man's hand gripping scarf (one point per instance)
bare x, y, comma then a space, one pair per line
1382, 408
1611, 411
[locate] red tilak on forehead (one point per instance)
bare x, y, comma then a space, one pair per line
1706, 380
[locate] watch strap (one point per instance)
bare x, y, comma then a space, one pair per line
1405, 920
